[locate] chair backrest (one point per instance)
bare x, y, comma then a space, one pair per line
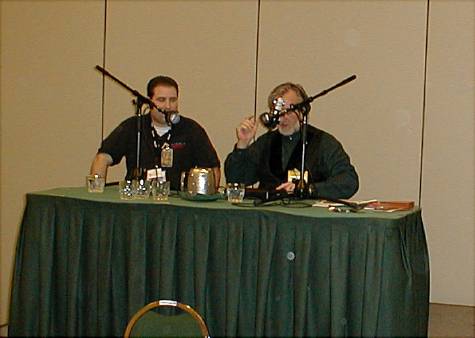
148, 323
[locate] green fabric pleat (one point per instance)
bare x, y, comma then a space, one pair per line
84, 268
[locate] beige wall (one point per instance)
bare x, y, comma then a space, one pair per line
51, 96
50, 106
212, 57
448, 198
378, 116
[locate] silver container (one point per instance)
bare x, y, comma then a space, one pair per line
198, 181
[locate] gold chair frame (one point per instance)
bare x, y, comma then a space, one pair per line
166, 303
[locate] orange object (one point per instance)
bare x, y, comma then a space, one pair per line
391, 205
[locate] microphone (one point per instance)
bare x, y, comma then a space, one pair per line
271, 119
172, 117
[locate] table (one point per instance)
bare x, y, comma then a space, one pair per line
86, 262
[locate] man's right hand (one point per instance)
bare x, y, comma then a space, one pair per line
245, 132
99, 165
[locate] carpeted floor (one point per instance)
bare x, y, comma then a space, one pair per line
445, 321
452, 321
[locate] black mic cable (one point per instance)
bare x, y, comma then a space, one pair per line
272, 196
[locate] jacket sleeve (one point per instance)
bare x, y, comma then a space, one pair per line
341, 179
241, 165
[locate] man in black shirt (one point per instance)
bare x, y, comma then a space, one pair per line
173, 146
275, 156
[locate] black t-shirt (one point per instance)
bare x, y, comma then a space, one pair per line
189, 141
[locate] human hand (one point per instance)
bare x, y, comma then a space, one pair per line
245, 132
287, 186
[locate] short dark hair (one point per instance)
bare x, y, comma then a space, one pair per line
161, 80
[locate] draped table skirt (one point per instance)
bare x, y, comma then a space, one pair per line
85, 263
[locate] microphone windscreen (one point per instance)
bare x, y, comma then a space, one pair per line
265, 119
174, 117
268, 120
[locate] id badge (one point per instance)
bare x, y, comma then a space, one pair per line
166, 156
294, 174
156, 173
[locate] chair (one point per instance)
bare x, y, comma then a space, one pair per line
180, 321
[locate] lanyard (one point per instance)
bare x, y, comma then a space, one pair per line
160, 142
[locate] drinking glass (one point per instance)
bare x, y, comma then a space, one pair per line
140, 189
160, 190
235, 192
95, 183
125, 190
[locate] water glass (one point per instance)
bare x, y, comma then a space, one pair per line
160, 190
140, 189
95, 183
235, 192
125, 190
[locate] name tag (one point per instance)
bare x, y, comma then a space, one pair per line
294, 174
166, 156
156, 173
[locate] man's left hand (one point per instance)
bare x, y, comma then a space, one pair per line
287, 186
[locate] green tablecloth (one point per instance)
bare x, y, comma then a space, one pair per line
86, 262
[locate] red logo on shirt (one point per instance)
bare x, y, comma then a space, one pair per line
178, 146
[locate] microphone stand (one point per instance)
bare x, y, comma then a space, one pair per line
323, 92
302, 190
138, 171
141, 100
